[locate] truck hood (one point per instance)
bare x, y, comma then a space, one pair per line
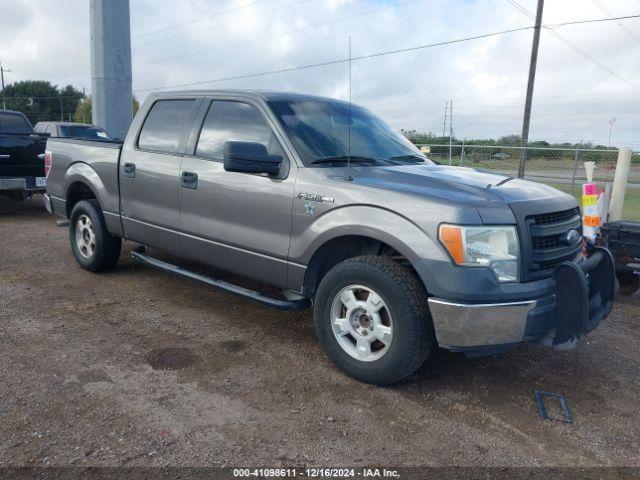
454, 184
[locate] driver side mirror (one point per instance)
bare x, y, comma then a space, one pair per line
250, 157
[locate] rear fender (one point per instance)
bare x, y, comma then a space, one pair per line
84, 173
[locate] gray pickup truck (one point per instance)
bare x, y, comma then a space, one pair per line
321, 199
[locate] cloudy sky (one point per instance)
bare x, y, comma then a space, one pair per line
579, 88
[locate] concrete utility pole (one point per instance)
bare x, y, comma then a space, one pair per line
4, 98
532, 78
112, 104
620, 181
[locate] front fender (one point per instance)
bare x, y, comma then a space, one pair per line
366, 221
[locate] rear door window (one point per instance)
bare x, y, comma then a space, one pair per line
234, 121
12, 123
165, 124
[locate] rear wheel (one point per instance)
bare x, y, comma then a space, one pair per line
372, 319
94, 248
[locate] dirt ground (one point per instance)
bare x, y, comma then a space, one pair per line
84, 361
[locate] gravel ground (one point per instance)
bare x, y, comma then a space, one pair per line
137, 367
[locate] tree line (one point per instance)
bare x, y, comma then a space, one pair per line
42, 101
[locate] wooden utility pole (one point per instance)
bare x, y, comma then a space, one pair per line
530, 83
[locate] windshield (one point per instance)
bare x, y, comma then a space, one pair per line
83, 132
14, 123
319, 130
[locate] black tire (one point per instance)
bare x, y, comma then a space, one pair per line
405, 298
629, 283
107, 247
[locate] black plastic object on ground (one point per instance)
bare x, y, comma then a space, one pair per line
566, 413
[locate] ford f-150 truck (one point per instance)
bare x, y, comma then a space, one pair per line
21, 157
320, 198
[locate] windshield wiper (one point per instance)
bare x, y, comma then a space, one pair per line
411, 158
345, 159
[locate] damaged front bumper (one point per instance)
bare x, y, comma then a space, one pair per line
582, 298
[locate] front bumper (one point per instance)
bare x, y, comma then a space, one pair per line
583, 296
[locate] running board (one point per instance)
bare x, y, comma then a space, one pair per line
139, 255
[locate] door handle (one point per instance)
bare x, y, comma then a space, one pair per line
130, 170
189, 180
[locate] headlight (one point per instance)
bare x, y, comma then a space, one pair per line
493, 247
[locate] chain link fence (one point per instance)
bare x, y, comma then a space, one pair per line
562, 168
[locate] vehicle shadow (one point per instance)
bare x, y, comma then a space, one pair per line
31, 207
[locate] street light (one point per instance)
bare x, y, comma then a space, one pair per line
611, 122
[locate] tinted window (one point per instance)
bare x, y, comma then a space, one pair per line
83, 132
322, 129
234, 121
164, 125
13, 123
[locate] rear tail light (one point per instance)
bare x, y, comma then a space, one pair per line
47, 162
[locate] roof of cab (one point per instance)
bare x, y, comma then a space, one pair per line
69, 124
267, 95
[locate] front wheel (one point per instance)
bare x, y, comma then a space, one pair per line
94, 248
372, 319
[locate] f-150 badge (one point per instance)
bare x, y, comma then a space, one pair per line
315, 197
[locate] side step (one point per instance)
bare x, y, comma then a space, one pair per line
139, 254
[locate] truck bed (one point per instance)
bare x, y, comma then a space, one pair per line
97, 159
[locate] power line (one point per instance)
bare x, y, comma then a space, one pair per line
593, 20
622, 26
334, 62
45, 97
259, 14
296, 30
196, 20
575, 47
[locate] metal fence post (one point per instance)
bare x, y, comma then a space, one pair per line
575, 168
462, 155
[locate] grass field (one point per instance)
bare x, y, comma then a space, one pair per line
560, 168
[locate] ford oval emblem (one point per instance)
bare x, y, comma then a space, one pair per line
572, 237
